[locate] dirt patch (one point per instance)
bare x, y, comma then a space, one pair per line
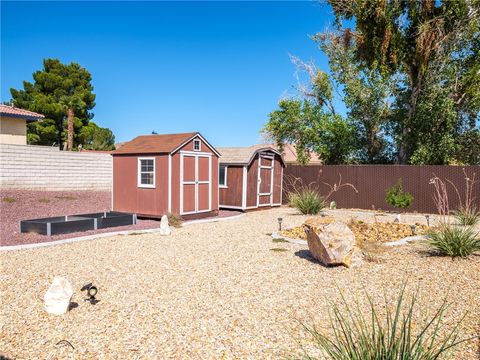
25, 204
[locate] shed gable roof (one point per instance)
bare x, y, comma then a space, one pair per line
243, 155
11, 111
161, 143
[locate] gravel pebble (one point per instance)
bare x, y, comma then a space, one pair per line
212, 290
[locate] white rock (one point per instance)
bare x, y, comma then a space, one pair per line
57, 298
164, 228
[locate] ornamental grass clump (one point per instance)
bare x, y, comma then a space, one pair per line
307, 201
467, 216
454, 241
384, 333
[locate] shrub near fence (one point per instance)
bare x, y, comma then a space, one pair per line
372, 181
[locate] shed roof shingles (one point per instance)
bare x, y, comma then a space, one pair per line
149, 144
7, 110
242, 155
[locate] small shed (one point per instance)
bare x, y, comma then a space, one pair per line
170, 173
250, 177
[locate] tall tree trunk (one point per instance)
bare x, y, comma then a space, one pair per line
70, 116
404, 152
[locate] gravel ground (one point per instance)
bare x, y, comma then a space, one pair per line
213, 290
17, 205
27, 204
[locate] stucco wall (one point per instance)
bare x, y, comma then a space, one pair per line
13, 131
48, 168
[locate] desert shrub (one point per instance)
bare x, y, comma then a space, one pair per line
398, 197
454, 241
307, 201
467, 216
174, 220
387, 333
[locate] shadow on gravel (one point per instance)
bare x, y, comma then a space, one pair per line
307, 255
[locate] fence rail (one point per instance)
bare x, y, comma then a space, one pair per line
371, 182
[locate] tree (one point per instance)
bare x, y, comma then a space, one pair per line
305, 124
366, 93
314, 125
60, 92
419, 41
97, 138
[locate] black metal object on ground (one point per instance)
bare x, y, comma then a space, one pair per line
75, 223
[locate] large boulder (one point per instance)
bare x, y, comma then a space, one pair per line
331, 242
57, 298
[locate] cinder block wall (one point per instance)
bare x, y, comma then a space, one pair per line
47, 168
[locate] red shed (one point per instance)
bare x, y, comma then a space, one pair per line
250, 177
172, 173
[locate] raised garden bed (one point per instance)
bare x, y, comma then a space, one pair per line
75, 223
378, 232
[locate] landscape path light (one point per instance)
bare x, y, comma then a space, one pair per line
413, 227
91, 292
280, 224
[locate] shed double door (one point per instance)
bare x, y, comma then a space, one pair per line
195, 183
265, 180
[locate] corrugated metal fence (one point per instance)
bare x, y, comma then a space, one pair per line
371, 182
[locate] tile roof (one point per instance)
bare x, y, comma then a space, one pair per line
149, 144
7, 110
241, 155
290, 155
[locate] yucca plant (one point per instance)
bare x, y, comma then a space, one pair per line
391, 336
467, 216
454, 241
307, 201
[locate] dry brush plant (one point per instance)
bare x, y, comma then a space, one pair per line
306, 197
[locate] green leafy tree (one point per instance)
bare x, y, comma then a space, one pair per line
311, 128
432, 46
64, 94
94, 137
366, 93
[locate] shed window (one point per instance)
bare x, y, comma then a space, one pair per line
146, 172
222, 176
197, 145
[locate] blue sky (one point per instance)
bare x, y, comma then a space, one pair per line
215, 67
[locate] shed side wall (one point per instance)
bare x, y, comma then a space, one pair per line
128, 197
232, 194
277, 180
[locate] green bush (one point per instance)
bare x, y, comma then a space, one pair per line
398, 197
467, 216
389, 333
307, 201
454, 241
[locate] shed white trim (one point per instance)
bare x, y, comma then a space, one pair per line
139, 173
